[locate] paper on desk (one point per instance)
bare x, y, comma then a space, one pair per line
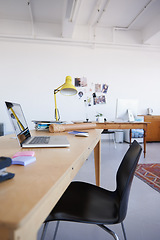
80, 134
23, 160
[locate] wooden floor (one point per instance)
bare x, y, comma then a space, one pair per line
143, 217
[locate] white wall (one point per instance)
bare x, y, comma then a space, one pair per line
29, 72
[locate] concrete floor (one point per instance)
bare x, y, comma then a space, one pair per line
143, 217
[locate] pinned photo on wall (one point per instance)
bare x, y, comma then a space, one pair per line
80, 94
98, 87
99, 100
101, 88
104, 88
81, 82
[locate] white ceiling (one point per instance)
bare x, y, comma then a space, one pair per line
103, 21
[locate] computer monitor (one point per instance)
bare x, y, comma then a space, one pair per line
126, 109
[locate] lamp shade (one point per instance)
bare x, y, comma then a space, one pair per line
68, 88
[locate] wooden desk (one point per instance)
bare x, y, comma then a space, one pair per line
27, 199
126, 125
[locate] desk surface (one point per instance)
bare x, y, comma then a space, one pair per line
27, 199
122, 125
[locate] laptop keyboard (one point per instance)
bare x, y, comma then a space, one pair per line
40, 140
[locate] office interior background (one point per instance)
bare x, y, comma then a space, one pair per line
39, 47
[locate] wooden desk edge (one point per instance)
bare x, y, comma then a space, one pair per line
122, 125
32, 220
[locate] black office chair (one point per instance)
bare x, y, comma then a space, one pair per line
87, 203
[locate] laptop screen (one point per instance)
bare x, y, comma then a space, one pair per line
18, 121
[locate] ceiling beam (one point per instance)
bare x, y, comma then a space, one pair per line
152, 30
70, 16
98, 11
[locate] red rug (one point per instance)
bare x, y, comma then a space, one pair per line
150, 174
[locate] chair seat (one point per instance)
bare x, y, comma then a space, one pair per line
106, 131
84, 202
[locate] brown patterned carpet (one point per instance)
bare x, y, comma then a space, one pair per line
150, 174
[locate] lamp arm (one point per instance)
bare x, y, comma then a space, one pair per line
58, 89
56, 109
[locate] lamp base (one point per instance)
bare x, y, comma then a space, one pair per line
87, 121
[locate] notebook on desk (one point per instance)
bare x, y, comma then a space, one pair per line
23, 133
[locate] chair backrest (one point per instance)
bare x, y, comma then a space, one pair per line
125, 175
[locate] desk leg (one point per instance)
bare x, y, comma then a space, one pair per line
144, 143
130, 136
97, 162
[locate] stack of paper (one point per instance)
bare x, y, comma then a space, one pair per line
23, 158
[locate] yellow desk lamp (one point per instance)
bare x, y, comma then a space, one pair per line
67, 89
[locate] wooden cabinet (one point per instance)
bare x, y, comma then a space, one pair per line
153, 129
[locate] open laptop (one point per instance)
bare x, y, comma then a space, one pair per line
23, 134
